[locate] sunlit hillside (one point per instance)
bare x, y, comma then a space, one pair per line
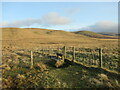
37, 38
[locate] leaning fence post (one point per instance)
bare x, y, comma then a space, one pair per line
73, 54
64, 52
31, 60
100, 57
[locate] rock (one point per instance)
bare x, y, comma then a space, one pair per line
42, 66
9, 60
59, 63
5, 66
21, 76
95, 81
109, 84
103, 77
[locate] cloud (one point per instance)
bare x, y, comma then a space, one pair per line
47, 20
55, 19
103, 26
72, 11
20, 23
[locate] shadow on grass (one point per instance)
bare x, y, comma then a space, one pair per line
23, 54
67, 63
51, 63
98, 70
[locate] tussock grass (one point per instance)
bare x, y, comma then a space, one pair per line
44, 75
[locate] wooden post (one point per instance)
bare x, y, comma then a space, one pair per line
79, 52
31, 60
118, 64
92, 56
43, 51
64, 52
73, 54
49, 50
96, 63
100, 57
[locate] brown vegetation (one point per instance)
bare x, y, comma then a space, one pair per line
21, 38
42, 66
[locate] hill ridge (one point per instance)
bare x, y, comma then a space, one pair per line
95, 35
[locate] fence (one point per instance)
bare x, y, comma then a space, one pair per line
102, 58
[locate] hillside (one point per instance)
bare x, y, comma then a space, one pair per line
42, 35
38, 38
95, 35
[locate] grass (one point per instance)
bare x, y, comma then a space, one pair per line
19, 75
71, 76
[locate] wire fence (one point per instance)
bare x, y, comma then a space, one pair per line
103, 58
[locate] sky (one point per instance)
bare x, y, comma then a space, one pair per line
68, 16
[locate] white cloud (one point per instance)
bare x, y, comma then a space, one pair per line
72, 11
47, 20
20, 23
103, 26
54, 18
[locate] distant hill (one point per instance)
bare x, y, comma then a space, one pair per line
109, 33
42, 36
95, 35
22, 33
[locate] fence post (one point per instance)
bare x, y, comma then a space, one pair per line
31, 60
73, 54
79, 51
100, 57
64, 52
49, 50
52, 51
42, 51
